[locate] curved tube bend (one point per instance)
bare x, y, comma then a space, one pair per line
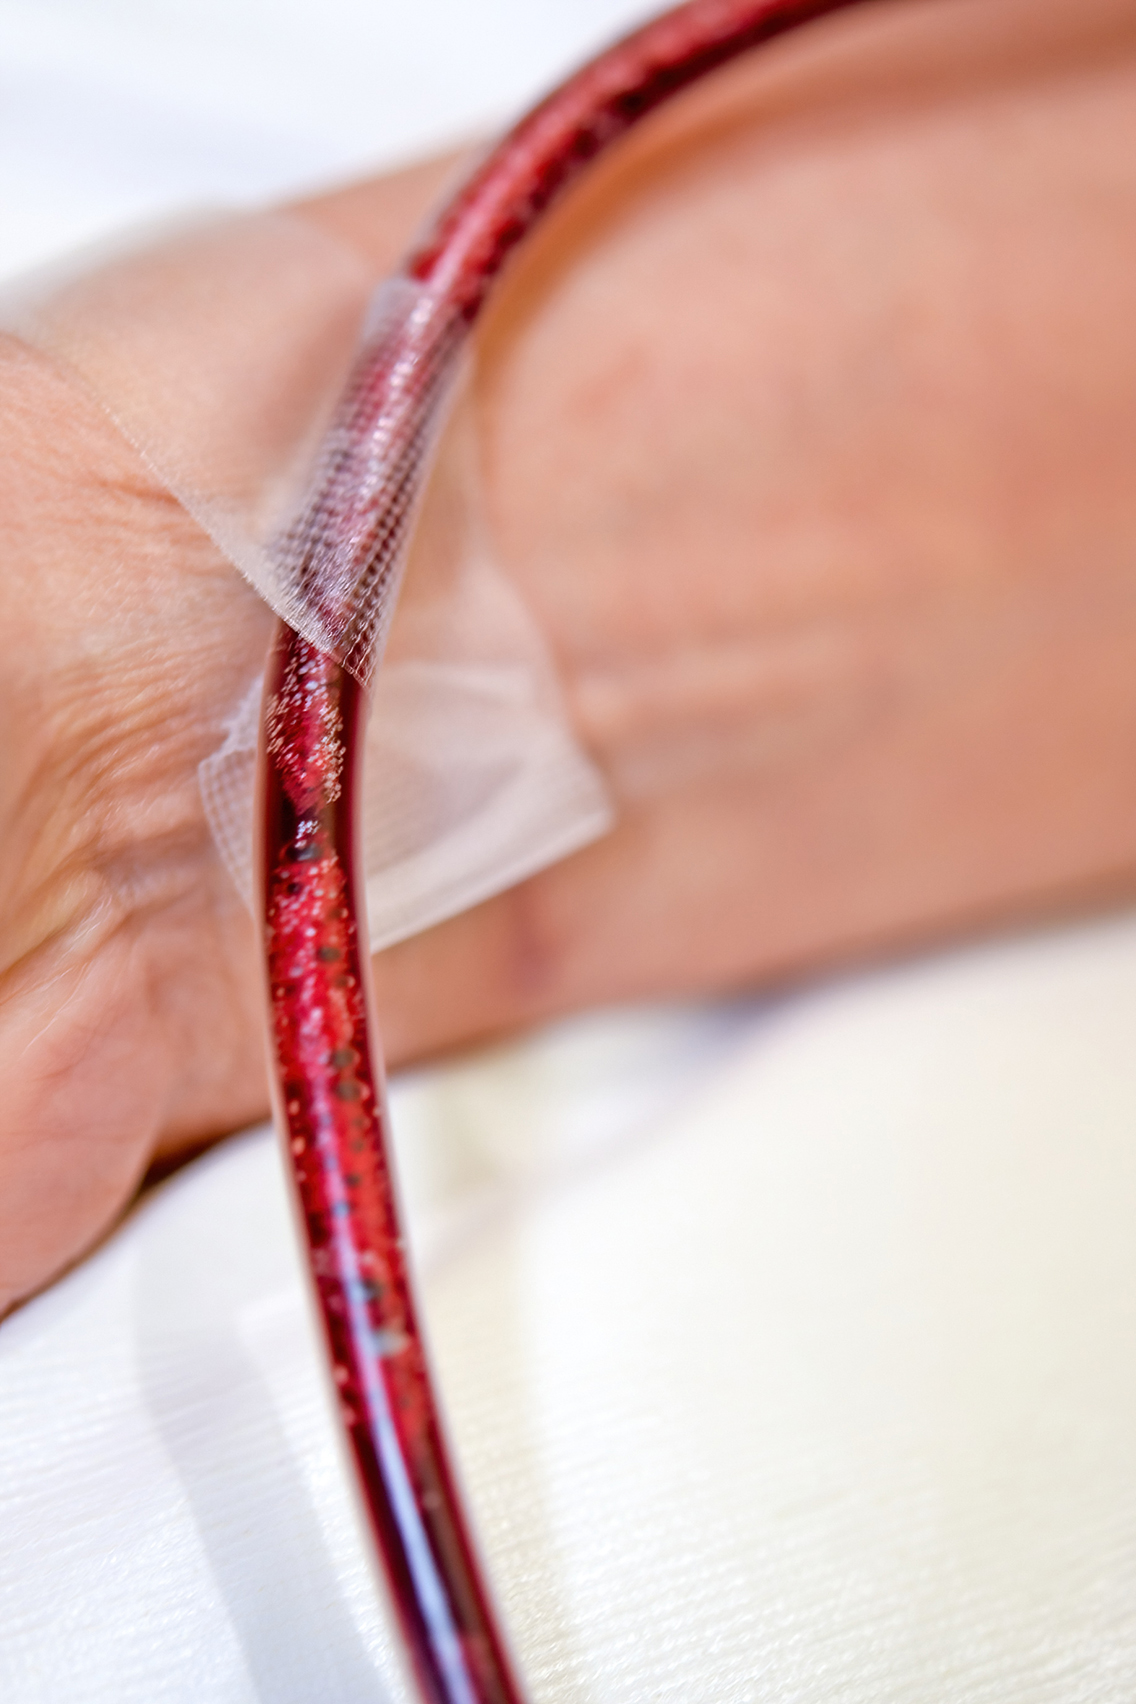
348, 545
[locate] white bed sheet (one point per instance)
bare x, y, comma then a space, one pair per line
788, 1345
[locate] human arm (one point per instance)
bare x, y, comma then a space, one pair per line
804, 431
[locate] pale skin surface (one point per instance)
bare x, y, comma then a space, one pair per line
808, 442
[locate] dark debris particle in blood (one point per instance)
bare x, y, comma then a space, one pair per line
310, 735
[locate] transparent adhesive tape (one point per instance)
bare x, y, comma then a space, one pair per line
221, 349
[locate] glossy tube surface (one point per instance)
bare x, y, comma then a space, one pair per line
350, 541
331, 1089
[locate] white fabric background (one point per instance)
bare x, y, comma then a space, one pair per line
789, 1345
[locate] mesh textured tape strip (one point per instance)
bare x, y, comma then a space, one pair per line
220, 347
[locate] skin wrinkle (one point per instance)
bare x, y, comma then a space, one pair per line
131, 834
731, 706
134, 843
87, 1153
914, 311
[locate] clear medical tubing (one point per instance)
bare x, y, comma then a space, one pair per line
347, 545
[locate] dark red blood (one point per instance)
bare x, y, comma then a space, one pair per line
329, 1088
347, 544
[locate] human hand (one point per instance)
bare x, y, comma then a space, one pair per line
805, 438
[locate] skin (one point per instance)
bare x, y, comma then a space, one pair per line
807, 432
